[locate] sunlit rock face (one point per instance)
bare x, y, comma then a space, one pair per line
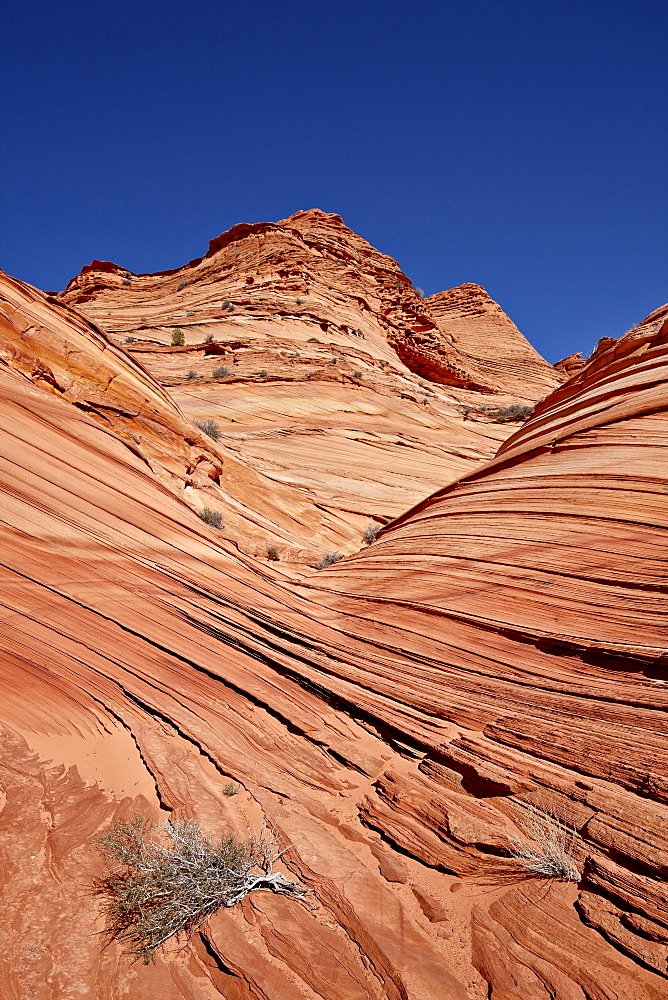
393, 717
342, 397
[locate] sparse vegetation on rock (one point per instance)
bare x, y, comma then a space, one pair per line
192, 375
209, 427
329, 558
549, 855
212, 517
166, 881
370, 533
221, 372
178, 337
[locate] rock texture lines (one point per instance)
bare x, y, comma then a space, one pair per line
307, 347
500, 648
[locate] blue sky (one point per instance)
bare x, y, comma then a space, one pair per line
520, 145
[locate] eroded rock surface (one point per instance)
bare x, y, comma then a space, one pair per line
393, 717
329, 377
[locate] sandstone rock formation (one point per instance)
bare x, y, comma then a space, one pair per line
394, 717
307, 347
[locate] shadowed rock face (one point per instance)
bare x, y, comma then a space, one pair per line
342, 397
501, 644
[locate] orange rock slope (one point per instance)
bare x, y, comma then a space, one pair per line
308, 348
394, 717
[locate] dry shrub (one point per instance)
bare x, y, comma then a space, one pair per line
212, 517
166, 881
329, 558
209, 427
549, 854
371, 533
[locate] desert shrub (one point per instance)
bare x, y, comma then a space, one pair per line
209, 427
333, 361
262, 374
419, 291
191, 312
272, 552
231, 789
549, 856
212, 517
514, 412
166, 881
125, 281
178, 337
226, 305
181, 285
192, 375
329, 558
221, 372
357, 374
129, 340
371, 533
312, 340
208, 339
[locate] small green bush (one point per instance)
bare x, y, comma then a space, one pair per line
129, 340
212, 517
221, 372
312, 340
192, 375
419, 291
209, 427
262, 374
231, 789
272, 552
126, 281
178, 337
181, 285
357, 374
208, 339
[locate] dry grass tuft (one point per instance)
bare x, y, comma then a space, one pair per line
166, 881
549, 855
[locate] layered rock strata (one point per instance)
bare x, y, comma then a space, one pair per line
326, 374
395, 718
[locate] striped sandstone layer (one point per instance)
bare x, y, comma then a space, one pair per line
502, 644
325, 372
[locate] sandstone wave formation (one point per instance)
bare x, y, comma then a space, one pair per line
397, 717
342, 397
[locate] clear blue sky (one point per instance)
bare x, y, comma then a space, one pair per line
520, 144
